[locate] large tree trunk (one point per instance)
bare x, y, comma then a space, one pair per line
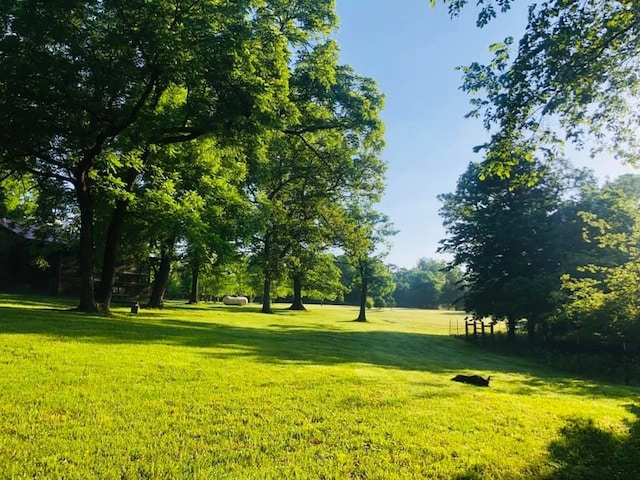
195, 284
156, 300
266, 296
532, 323
297, 292
266, 288
110, 257
112, 247
86, 201
362, 316
511, 330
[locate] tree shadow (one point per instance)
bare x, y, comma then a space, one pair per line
284, 342
38, 301
276, 342
235, 309
586, 451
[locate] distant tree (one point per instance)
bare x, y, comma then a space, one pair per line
381, 284
322, 280
347, 280
315, 275
403, 290
430, 284
452, 291
364, 237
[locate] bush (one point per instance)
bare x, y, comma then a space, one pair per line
369, 303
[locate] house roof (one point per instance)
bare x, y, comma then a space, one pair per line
28, 232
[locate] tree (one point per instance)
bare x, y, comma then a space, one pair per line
603, 295
18, 197
191, 196
574, 77
328, 152
363, 235
505, 237
452, 291
83, 87
430, 284
313, 271
157, 216
217, 223
319, 279
380, 284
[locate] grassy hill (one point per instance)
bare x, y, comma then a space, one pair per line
214, 392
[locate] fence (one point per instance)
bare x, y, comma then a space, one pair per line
616, 360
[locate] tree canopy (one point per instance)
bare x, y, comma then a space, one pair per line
507, 240
573, 78
603, 293
194, 124
430, 284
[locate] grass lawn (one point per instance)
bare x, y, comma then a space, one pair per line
214, 392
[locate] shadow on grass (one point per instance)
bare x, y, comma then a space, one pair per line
585, 451
39, 301
232, 309
283, 342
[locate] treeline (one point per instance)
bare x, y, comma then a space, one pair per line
220, 136
548, 249
429, 285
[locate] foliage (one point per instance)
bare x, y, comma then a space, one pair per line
363, 233
326, 153
603, 297
487, 8
574, 77
505, 235
430, 284
92, 88
381, 285
322, 278
18, 197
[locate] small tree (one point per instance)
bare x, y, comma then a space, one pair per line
363, 236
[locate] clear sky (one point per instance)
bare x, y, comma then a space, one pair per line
412, 50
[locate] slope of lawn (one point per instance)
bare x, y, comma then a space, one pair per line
214, 392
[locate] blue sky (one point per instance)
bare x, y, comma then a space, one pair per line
412, 50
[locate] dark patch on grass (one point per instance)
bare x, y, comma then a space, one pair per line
586, 451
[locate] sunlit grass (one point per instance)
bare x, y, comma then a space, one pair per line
226, 392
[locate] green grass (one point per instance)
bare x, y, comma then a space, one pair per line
213, 392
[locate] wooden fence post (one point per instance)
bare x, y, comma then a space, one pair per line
625, 360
